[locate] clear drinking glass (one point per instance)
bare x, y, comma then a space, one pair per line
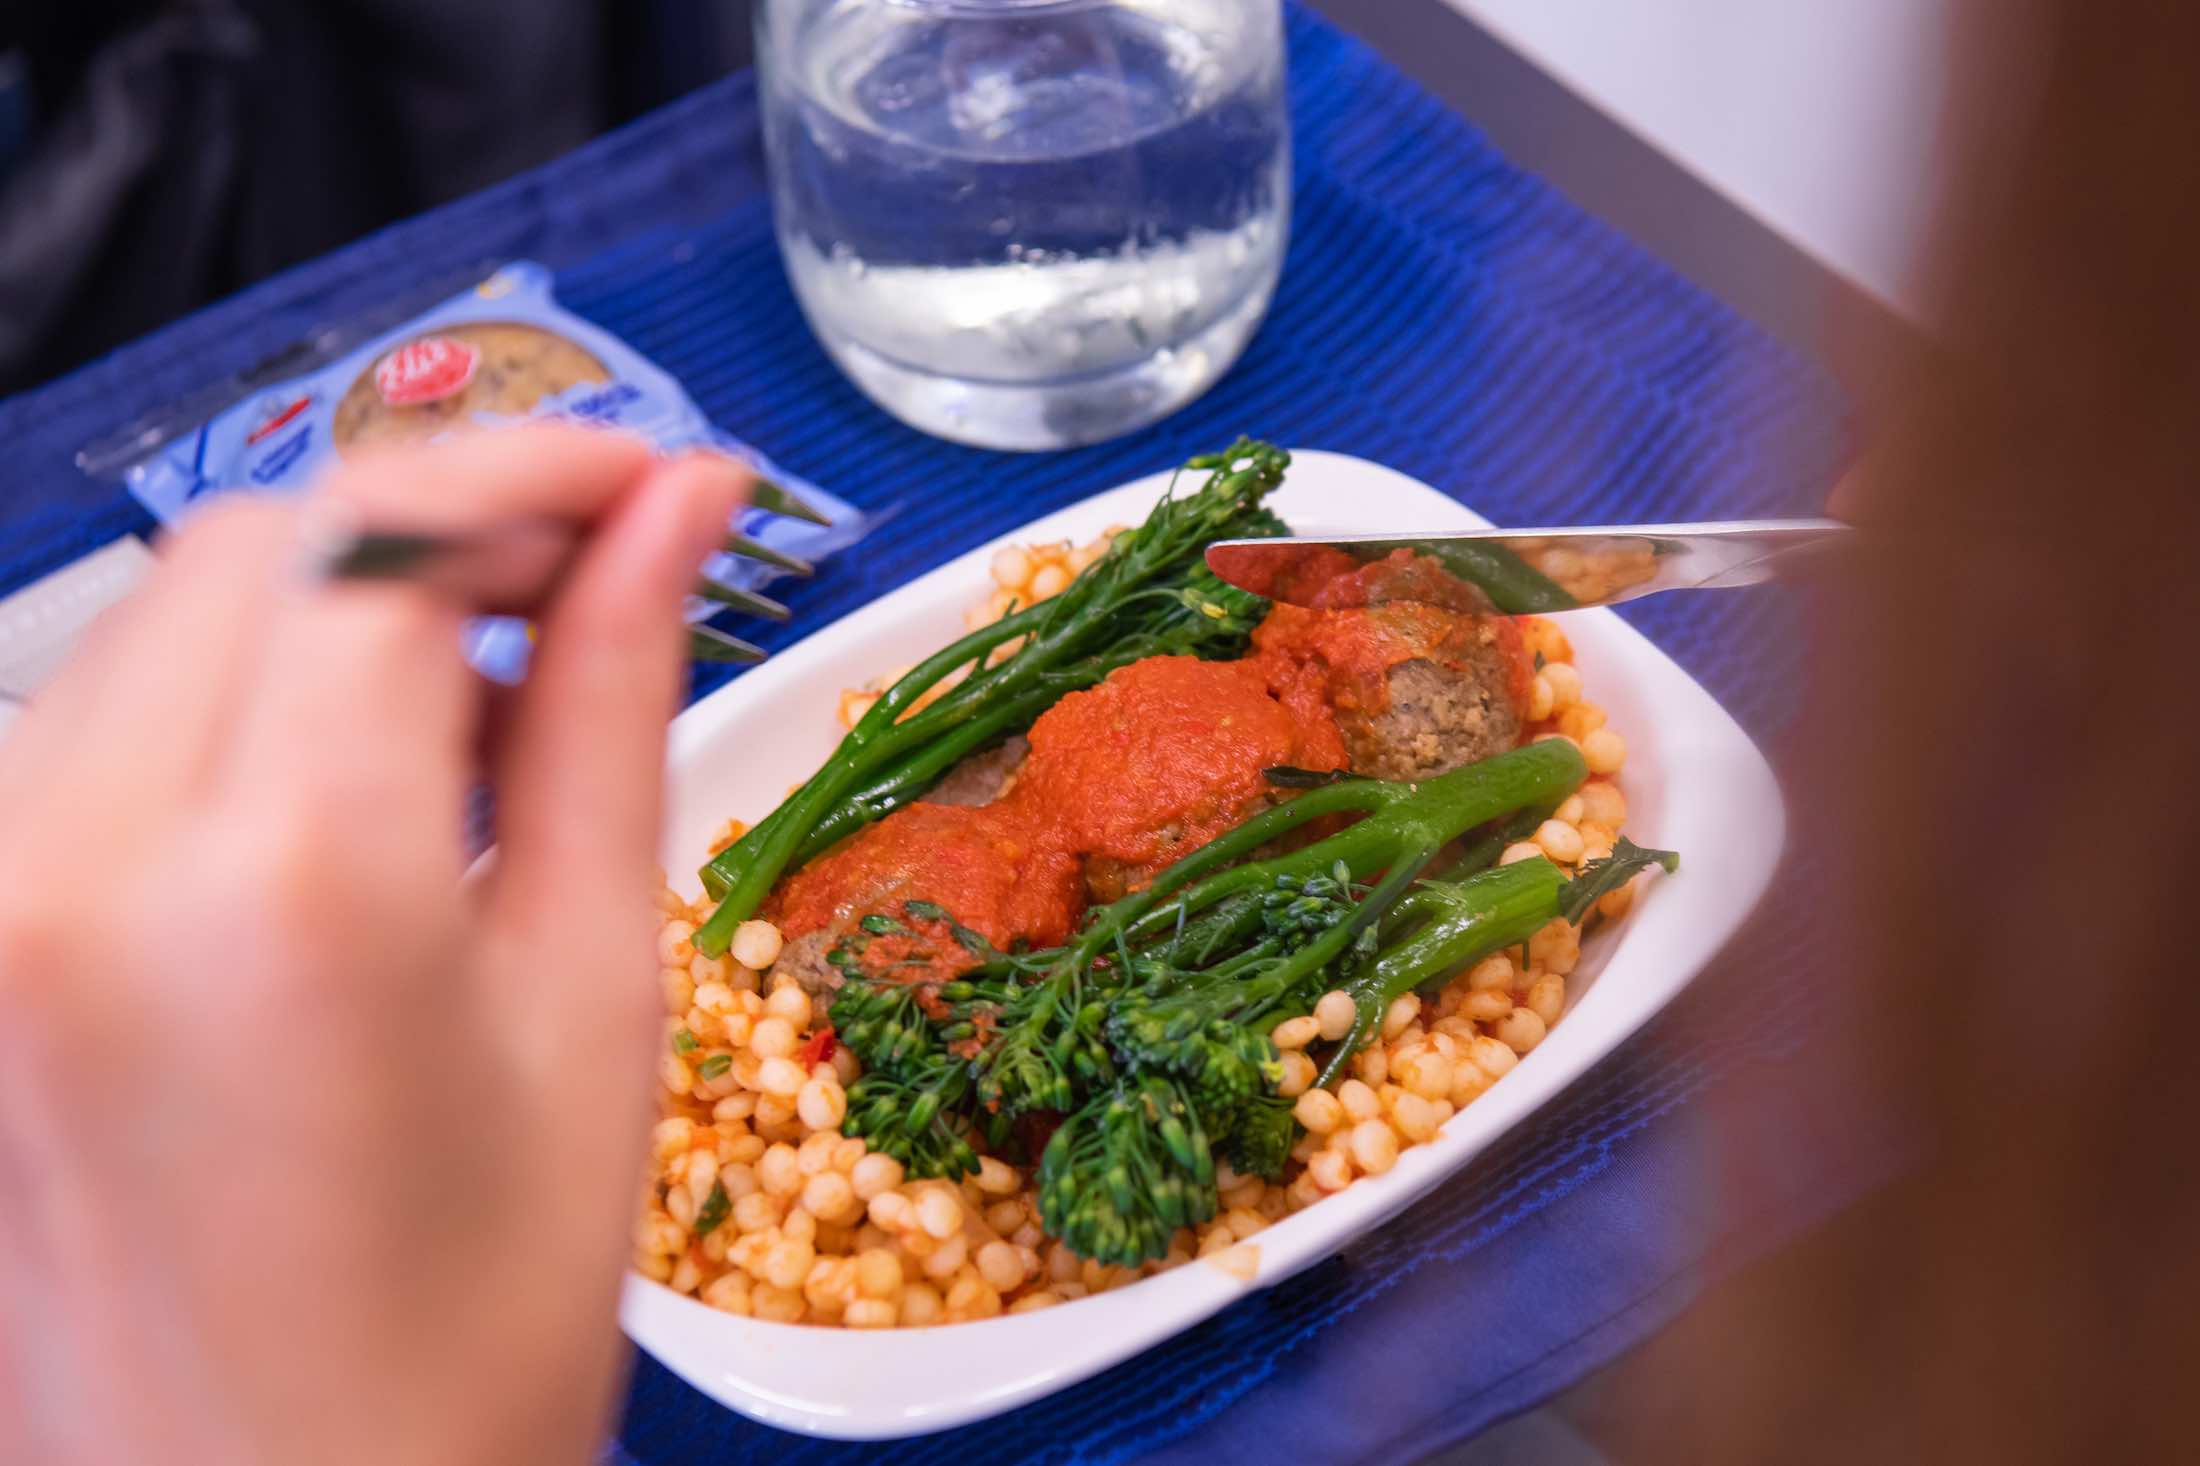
1028, 223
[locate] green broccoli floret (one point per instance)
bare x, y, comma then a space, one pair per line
1261, 1138
914, 1116
1123, 1173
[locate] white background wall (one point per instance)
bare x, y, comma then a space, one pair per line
1817, 116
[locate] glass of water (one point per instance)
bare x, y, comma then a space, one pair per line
1029, 223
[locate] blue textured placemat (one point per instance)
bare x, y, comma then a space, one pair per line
1441, 312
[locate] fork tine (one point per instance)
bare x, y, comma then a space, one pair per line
741, 544
747, 602
708, 644
772, 497
379, 554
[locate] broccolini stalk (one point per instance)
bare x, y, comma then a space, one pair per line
1448, 925
1402, 820
1209, 1029
1511, 583
1151, 594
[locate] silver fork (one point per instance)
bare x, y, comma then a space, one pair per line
505, 567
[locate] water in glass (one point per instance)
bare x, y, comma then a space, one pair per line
1029, 223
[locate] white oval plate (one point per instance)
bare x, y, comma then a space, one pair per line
1694, 783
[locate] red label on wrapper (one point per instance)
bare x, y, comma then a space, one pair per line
276, 421
427, 370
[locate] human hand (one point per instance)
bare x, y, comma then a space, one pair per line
308, 1150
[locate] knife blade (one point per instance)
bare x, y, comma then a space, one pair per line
1520, 571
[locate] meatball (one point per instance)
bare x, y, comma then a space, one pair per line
1161, 757
984, 777
1110, 878
1439, 717
996, 873
1417, 689
803, 959
979, 780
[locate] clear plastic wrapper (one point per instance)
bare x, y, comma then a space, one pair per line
496, 352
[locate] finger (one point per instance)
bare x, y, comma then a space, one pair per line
555, 470
360, 721
150, 696
364, 709
579, 779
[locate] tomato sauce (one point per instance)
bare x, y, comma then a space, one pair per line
1326, 578
1512, 643
1163, 756
1360, 621
1291, 572
1343, 658
1001, 874
1399, 576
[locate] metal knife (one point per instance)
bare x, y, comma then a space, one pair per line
1533, 570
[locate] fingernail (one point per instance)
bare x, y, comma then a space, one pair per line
715, 487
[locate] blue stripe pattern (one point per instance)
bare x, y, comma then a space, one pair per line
1441, 312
